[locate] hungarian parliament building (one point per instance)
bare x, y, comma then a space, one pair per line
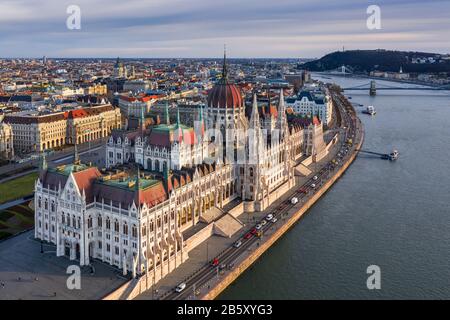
168, 187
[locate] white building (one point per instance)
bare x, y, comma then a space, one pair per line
313, 103
137, 221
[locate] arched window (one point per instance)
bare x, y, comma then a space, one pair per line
144, 230
63, 219
251, 172
116, 226
157, 165
149, 164
52, 206
99, 221
45, 204
90, 222
108, 223
74, 223
40, 202
125, 228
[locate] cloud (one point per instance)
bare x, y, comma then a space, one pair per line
198, 28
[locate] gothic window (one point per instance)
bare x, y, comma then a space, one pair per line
63, 219
144, 230
157, 165
151, 226
134, 231
40, 202
74, 223
53, 206
125, 228
45, 204
99, 221
149, 164
116, 226
251, 172
108, 223
164, 165
90, 222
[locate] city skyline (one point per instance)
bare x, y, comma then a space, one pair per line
198, 29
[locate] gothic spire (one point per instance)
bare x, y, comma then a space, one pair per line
167, 113
224, 67
254, 119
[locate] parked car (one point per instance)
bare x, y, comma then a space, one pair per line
274, 220
237, 244
258, 226
313, 185
269, 217
315, 178
180, 287
254, 231
248, 235
263, 222
294, 200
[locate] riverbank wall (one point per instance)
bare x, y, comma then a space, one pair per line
245, 264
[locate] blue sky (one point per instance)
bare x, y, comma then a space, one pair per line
199, 28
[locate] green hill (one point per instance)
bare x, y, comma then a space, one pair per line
365, 61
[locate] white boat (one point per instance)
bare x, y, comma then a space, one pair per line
370, 110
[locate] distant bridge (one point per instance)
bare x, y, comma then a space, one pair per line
373, 86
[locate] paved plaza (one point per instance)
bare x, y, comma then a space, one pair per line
26, 273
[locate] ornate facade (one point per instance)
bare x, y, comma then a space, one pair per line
6, 140
36, 133
138, 221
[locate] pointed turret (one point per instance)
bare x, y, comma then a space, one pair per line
254, 119
167, 113
178, 127
202, 123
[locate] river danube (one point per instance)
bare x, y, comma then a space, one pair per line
395, 215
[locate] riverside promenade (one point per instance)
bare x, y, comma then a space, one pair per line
206, 282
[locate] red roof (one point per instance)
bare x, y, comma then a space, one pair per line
225, 95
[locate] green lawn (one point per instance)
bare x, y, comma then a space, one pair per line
15, 219
17, 188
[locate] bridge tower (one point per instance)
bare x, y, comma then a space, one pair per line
373, 88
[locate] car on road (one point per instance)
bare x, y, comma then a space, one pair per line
263, 223
303, 190
180, 287
254, 231
215, 262
294, 200
222, 266
269, 217
313, 185
248, 235
274, 220
315, 178
237, 244
258, 226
